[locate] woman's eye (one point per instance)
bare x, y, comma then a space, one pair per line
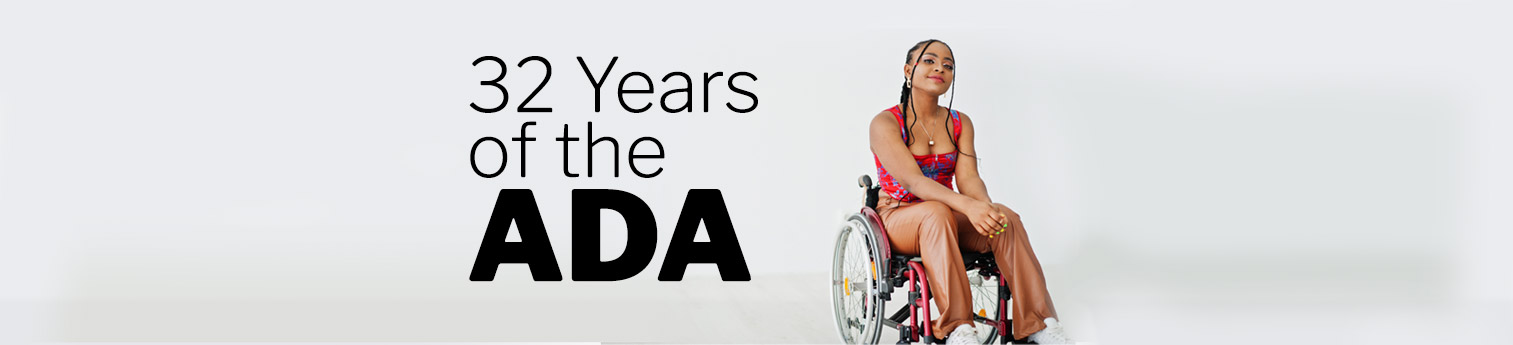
951, 67
929, 61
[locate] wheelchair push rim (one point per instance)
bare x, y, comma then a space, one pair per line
856, 300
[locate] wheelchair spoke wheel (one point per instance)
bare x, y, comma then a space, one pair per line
984, 305
855, 294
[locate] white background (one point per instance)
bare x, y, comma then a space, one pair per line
1189, 172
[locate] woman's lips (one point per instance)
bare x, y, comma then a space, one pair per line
939, 79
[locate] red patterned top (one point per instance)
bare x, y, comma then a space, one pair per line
938, 167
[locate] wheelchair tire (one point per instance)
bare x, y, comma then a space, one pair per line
856, 284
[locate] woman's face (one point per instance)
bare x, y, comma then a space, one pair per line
935, 70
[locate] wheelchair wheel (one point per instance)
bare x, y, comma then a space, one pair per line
856, 285
985, 305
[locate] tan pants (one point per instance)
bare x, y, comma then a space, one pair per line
938, 234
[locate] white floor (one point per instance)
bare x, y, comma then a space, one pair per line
768, 309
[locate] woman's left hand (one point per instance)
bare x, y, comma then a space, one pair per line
1006, 213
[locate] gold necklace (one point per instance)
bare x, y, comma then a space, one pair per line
927, 132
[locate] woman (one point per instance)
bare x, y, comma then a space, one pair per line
919, 147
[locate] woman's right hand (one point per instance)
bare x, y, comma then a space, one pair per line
986, 218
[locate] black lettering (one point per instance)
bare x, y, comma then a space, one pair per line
640, 241
731, 82
565, 139
504, 94
632, 159
596, 83
723, 250
687, 91
534, 248
614, 144
522, 139
623, 91
503, 157
548, 76
708, 78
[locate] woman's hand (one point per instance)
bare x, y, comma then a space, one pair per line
1007, 214
987, 218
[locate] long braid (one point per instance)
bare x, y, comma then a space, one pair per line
904, 100
907, 97
948, 112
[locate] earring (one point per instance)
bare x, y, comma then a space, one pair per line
906, 84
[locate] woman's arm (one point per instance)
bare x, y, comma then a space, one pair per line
968, 180
967, 177
899, 162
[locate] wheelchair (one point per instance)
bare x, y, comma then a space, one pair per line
865, 273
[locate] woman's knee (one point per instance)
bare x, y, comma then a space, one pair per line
1017, 227
1013, 216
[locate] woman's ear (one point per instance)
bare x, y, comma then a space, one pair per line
908, 71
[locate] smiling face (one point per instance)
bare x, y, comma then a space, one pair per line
932, 67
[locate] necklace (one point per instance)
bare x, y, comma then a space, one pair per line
927, 133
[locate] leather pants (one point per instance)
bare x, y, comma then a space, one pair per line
938, 234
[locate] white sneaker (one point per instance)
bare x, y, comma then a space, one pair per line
962, 335
1052, 334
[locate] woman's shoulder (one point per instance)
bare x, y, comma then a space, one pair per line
887, 116
960, 113
961, 116
965, 122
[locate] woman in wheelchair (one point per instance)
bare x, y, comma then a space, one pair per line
919, 147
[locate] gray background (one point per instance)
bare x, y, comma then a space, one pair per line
1189, 172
